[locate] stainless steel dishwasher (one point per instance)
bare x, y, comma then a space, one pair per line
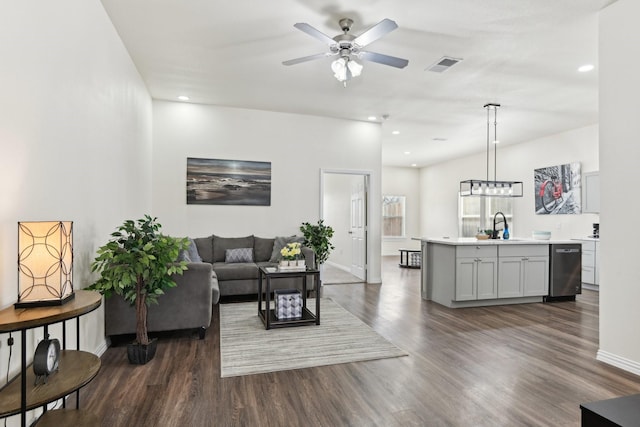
565, 271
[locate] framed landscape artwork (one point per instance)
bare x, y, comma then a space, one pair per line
558, 189
228, 182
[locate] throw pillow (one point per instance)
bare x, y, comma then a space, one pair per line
183, 255
280, 242
239, 255
192, 252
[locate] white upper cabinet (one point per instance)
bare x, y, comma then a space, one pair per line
591, 190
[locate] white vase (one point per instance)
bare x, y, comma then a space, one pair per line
300, 263
284, 263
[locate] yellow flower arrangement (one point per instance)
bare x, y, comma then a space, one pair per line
291, 251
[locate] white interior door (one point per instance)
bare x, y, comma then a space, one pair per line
358, 229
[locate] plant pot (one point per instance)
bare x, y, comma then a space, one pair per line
284, 263
140, 354
300, 263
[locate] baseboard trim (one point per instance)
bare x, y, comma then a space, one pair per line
374, 281
338, 266
104, 345
619, 362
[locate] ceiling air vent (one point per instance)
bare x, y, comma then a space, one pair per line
444, 64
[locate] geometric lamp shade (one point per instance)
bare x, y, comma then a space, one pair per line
45, 263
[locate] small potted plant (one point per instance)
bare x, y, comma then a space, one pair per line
291, 254
137, 264
318, 238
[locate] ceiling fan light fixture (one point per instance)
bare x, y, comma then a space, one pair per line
354, 67
345, 68
347, 46
339, 68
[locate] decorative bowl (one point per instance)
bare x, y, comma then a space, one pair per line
541, 235
482, 236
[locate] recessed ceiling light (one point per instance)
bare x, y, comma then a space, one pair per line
183, 98
413, 165
586, 68
395, 132
371, 118
407, 152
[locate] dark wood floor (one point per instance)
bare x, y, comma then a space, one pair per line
523, 365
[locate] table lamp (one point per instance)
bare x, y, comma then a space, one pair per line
45, 263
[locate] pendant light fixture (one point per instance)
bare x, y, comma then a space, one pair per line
487, 187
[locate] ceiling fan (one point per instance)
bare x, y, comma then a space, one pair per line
348, 47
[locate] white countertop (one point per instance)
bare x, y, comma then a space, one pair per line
473, 241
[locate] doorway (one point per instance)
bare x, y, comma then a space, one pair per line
344, 207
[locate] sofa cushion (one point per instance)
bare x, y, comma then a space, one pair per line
237, 271
262, 249
280, 242
239, 255
221, 244
205, 248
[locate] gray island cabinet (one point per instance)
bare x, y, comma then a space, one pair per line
466, 272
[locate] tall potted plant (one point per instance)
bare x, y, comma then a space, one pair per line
137, 264
318, 238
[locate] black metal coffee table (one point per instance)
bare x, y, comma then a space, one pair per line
267, 314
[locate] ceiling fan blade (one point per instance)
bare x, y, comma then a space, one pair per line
302, 26
307, 58
374, 33
383, 59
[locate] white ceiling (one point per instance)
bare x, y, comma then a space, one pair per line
523, 54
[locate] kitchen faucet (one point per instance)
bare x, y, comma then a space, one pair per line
504, 219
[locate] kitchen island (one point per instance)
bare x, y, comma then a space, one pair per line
466, 272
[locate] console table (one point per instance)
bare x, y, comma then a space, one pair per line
267, 314
76, 368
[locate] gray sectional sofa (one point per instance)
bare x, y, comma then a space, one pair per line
216, 266
241, 278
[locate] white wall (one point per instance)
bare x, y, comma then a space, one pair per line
398, 181
439, 184
619, 156
297, 146
75, 136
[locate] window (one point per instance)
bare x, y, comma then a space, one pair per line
476, 213
393, 216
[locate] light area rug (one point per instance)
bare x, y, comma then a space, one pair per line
246, 347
